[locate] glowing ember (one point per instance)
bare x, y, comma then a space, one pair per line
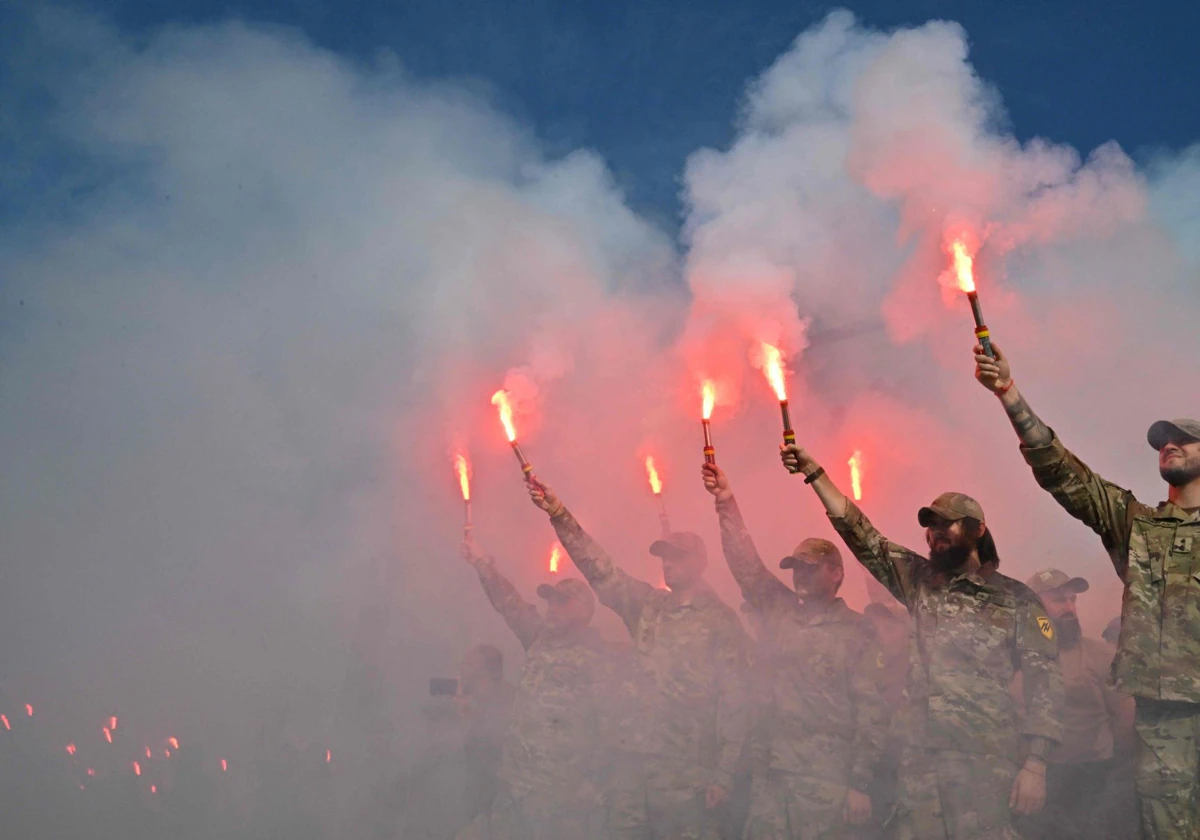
555, 556
91, 771
29, 709
108, 734
464, 475
112, 723
148, 753
4, 720
773, 368
500, 400
137, 769
166, 753
652, 472
328, 756
154, 788
710, 399
70, 749
174, 742
964, 265
224, 766
856, 475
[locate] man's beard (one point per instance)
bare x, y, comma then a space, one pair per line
1181, 474
950, 559
1069, 631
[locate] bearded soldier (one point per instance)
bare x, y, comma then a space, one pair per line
1156, 553
968, 762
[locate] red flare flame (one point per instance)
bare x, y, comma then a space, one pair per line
91, 771
70, 749
774, 370
463, 468
709, 393
964, 265
555, 556
224, 766
108, 734
652, 474
174, 742
154, 788
500, 400
137, 769
112, 723
148, 753
855, 463
29, 709
4, 720
328, 756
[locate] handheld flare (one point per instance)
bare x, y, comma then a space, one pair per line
964, 269
710, 398
463, 467
773, 368
501, 401
656, 487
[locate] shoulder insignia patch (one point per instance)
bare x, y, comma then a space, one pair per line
1045, 626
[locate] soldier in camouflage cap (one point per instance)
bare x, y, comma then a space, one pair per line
553, 759
682, 711
968, 763
825, 732
1156, 553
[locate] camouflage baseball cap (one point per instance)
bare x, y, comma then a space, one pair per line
1163, 430
812, 552
951, 506
568, 589
680, 543
1049, 579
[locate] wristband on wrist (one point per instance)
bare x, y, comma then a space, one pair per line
1006, 388
814, 475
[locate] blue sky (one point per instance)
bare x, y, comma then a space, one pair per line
646, 83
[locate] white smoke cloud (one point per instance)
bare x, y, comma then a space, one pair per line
235, 364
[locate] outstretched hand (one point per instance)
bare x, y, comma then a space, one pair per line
471, 552
543, 497
993, 374
716, 482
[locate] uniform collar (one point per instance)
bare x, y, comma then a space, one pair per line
1170, 510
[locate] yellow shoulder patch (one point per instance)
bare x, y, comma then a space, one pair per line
1045, 626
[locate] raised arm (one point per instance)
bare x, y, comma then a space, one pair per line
1101, 505
759, 587
616, 589
892, 565
521, 616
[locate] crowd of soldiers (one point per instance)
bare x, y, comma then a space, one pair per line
961, 704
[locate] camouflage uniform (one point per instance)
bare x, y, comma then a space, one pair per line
553, 745
1156, 552
680, 714
825, 721
961, 737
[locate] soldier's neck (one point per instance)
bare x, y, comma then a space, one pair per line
1187, 496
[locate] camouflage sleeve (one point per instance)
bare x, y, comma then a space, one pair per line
871, 713
892, 565
1041, 675
1101, 505
732, 657
759, 587
617, 590
521, 616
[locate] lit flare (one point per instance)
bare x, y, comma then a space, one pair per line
855, 463
29, 709
108, 734
4, 720
137, 769
70, 749
708, 399
555, 557
500, 400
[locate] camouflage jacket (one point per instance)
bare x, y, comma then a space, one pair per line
826, 715
683, 699
1156, 552
554, 742
969, 635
